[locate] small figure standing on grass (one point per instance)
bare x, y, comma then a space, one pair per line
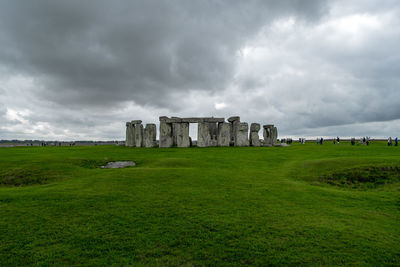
367, 140
396, 141
337, 140
390, 141
353, 141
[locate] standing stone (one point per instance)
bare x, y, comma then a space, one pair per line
166, 139
270, 135
130, 135
213, 133
175, 121
150, 134
181, 133
267, 135
274, 135
224, 134
127, 134
254, 138
139, 135
235, 121
242, 138
203, 134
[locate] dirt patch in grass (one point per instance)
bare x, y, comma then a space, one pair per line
363, 178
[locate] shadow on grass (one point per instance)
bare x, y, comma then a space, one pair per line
27, 176
363, 178
360, 174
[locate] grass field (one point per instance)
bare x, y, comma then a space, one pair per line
304, 204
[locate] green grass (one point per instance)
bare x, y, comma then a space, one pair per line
304, 204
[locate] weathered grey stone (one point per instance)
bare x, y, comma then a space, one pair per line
166, 139
242, 138
213, 133
274, 135
136, 122
224, 134
150, 134
173, 120
118, 164
181, 133
203, 119
194, 119
175, 125
127, 132
213, 120
234, 118
213, 129
203, 134
254, 138
130, 135
255, 127
267, 135
270, 134
235, 122
163, 118
139, 135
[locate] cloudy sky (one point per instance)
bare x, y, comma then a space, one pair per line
72, 70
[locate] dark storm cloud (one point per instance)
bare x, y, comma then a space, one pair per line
103, 52
80, 69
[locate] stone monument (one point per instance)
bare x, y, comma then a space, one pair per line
254, 138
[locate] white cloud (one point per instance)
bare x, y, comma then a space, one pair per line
335, 73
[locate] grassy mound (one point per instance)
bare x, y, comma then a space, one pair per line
28, 175
363, 178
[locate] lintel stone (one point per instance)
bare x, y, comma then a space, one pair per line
234, 118
203, 119
173, 120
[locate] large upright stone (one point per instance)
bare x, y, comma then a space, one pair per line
254, 138
224, 134
130, 135
235, 122
150, 134
274, 135
203, 134
127, 132
166, 139
181, 133
213, 133
139, 135
175, 126
270, 135
242, 138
